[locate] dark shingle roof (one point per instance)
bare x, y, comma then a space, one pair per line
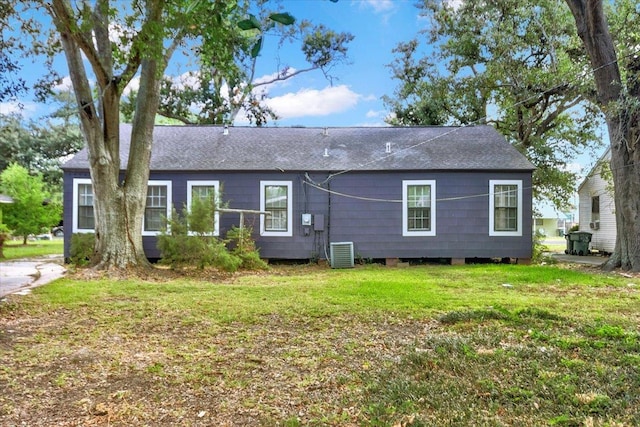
325, 149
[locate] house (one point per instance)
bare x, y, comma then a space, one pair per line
548, 221
387, 193
596, 210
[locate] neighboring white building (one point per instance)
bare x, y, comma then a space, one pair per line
596, 211
550, 222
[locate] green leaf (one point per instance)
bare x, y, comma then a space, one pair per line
191, 6
282, 18
249, 24
255, 50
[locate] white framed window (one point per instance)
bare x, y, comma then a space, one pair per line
505, 208
83, 219
205, 190
595, 208
276, 198
157, 208
419, 208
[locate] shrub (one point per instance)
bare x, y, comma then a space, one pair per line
82, 248
539, 248
244, 247
179, 248
4, 235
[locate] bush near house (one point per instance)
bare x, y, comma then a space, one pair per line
188, 241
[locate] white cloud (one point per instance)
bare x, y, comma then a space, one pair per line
372, 124
313, 102
65, 85
380, 6
26, 109
371, 114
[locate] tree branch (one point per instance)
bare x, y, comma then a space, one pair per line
280, 77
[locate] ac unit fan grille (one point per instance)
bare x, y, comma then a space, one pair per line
342, 255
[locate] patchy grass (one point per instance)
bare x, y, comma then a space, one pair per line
14, 249
555, 244
428, 345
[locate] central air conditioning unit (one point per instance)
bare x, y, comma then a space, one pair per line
342, 255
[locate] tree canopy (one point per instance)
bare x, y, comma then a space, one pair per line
41, 145
213, 94
32, 211
108, 46
11, 84
508, 63
616, 75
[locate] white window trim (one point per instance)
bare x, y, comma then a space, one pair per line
169, 205
289, 231
405, 207
492, 184
74, 216
216, 186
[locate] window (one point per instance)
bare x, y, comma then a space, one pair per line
83, 216
158, 207
275, 198
595, 208
419, 208
204, 190
505, 208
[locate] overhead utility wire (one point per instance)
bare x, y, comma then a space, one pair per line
583, 74
373, 199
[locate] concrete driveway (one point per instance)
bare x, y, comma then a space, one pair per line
594, 260
23, 274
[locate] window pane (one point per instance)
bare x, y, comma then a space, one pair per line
153, 219
85, 217
275, 196
595, 208
506, 208
156, 207
85, 195
85, 207
419, 196
157, 196
419, 207
506, 219
203, 192
276, 202
277, 221
506, 196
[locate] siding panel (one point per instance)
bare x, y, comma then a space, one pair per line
375, 226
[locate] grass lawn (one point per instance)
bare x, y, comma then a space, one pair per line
14, 249
474, 345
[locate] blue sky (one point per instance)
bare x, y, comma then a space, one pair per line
353, 97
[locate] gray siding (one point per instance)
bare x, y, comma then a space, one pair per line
375, 227
462, 217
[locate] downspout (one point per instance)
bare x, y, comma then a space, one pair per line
328, 216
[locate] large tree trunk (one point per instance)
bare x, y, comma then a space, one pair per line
119, 201
623, 124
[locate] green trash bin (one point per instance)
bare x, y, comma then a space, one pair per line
569, 249
580, 242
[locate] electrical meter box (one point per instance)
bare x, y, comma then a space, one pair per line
306, 219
